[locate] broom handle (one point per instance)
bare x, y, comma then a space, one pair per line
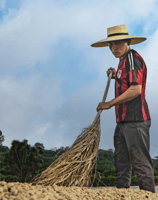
104, 97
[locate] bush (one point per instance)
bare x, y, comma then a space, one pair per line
156, 179
109, 172
22, 160
9, 178
110, 181
98, 182
4, 149
101, 168
7, 171
155, 171
105, 170
134, 181
104, 181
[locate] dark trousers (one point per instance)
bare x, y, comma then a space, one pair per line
132, 144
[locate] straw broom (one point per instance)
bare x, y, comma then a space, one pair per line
74, 167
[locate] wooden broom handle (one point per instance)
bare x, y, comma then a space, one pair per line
104, 97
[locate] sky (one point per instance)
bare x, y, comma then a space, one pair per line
51, 79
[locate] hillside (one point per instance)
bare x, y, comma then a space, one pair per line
105, 157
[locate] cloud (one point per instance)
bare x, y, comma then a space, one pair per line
29, 35
2, 4
43, 128
27, 106
36, 102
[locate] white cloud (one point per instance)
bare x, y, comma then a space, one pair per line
26, 105
2, 4
27, 35
33, 107
42, 129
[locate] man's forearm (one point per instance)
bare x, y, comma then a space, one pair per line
132, 92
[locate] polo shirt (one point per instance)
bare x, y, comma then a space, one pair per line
131, 69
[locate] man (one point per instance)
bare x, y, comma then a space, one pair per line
131, 137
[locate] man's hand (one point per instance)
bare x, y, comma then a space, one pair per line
104, 106
113, 72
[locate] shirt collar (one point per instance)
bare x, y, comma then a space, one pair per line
125, 54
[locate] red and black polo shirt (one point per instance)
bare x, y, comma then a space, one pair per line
131, 69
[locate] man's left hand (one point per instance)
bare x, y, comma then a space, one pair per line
104, 106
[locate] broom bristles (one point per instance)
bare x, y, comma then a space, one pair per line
74, 167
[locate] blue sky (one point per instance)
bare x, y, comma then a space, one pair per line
51, 79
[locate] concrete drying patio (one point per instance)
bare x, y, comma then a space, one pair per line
133, 187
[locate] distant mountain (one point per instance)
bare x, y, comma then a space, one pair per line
106, 157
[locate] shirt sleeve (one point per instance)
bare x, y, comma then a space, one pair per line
136, 70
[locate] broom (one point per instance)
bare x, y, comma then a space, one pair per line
74, 167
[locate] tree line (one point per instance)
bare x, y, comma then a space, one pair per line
22, 162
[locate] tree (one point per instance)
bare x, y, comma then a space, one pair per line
23, 160
4, 149
156, 157
111, 150
67, 147
1, 138
37, 144
61, 148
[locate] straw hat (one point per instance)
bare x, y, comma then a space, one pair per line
118, 33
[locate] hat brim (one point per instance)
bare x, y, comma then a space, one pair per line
104, 43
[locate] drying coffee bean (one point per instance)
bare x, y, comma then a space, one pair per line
27, 191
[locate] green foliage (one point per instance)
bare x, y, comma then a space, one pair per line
99, 181
9, 178
109, 172
106, 158
4, 149
103, 181
1, 156
105, 176
105, 170
1, 138
133, 173
49, 153
110, 181
134, 181
47, 159
6, 170
23, 160
156, 179
37, 144
155, 162
155, 171
102, 168
48, 156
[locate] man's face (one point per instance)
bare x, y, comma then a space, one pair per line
118, 48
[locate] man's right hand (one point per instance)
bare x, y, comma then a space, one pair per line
113, 72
